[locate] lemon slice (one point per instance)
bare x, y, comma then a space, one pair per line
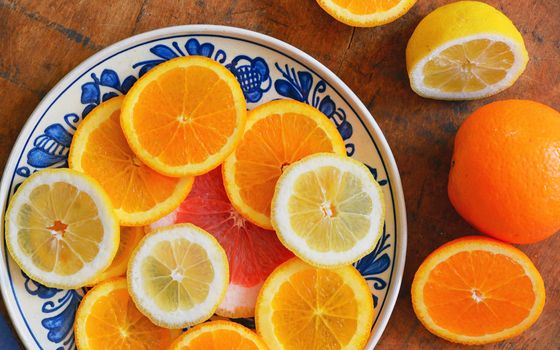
61, 229
328, 210
464, 50
178, 275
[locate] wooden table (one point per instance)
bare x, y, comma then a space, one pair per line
41, 41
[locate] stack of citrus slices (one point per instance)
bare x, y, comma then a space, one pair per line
206, 208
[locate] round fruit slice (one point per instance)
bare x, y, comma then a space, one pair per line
278, 133
185, 116
464, 50
61, 229
477, 290
304, 307
252, 251
129, 239
219, 335
366, 13
139, 194
178, 275
328, 210
108, 319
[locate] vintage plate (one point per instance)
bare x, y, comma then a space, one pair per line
266, 69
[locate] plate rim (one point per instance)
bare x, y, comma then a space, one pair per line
387, 157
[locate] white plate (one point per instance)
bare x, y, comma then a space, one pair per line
267, 69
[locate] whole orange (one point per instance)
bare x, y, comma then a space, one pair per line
505, 172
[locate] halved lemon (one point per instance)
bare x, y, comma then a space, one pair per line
178, 275
305, 307
464, 50
61, 228
328, 209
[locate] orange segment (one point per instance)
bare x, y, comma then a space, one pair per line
129, 239
366, 13
219, 335
476, 290
139, 194
184, 116
108, 319
277, 134
303, 307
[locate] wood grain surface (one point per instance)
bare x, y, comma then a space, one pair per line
41, 41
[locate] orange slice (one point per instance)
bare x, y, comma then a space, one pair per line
108, 319
129, 239
304, 307
219, 335
185, 116
139, 194
277, 134
477, 290
366, 13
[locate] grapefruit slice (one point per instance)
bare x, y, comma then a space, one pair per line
253, 252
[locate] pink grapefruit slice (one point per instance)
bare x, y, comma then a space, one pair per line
253, 252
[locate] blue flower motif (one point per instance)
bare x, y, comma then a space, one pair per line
374, 173
298, 86
164, 53
110, 82
61, 311
375, 263
252, 74
60, 324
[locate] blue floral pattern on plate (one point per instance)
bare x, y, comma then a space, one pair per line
50, 149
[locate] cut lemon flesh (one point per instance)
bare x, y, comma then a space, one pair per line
107, 319
477, 290
465, 50
61, 229
178, 275
219, 335
304, 307
368, 13
185, 116
277, 134
129, 239
328, 210
139, 194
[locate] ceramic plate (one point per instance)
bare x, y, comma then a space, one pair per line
267, 69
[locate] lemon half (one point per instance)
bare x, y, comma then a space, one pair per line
464, 50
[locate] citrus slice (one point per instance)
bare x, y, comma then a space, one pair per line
129, 239
477, 290
61, 229
219, 335
464, 50
277, 134
328, 210
184, 116
178, 275
370, 13
139, 194
252, 251
304, 307
107, 319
